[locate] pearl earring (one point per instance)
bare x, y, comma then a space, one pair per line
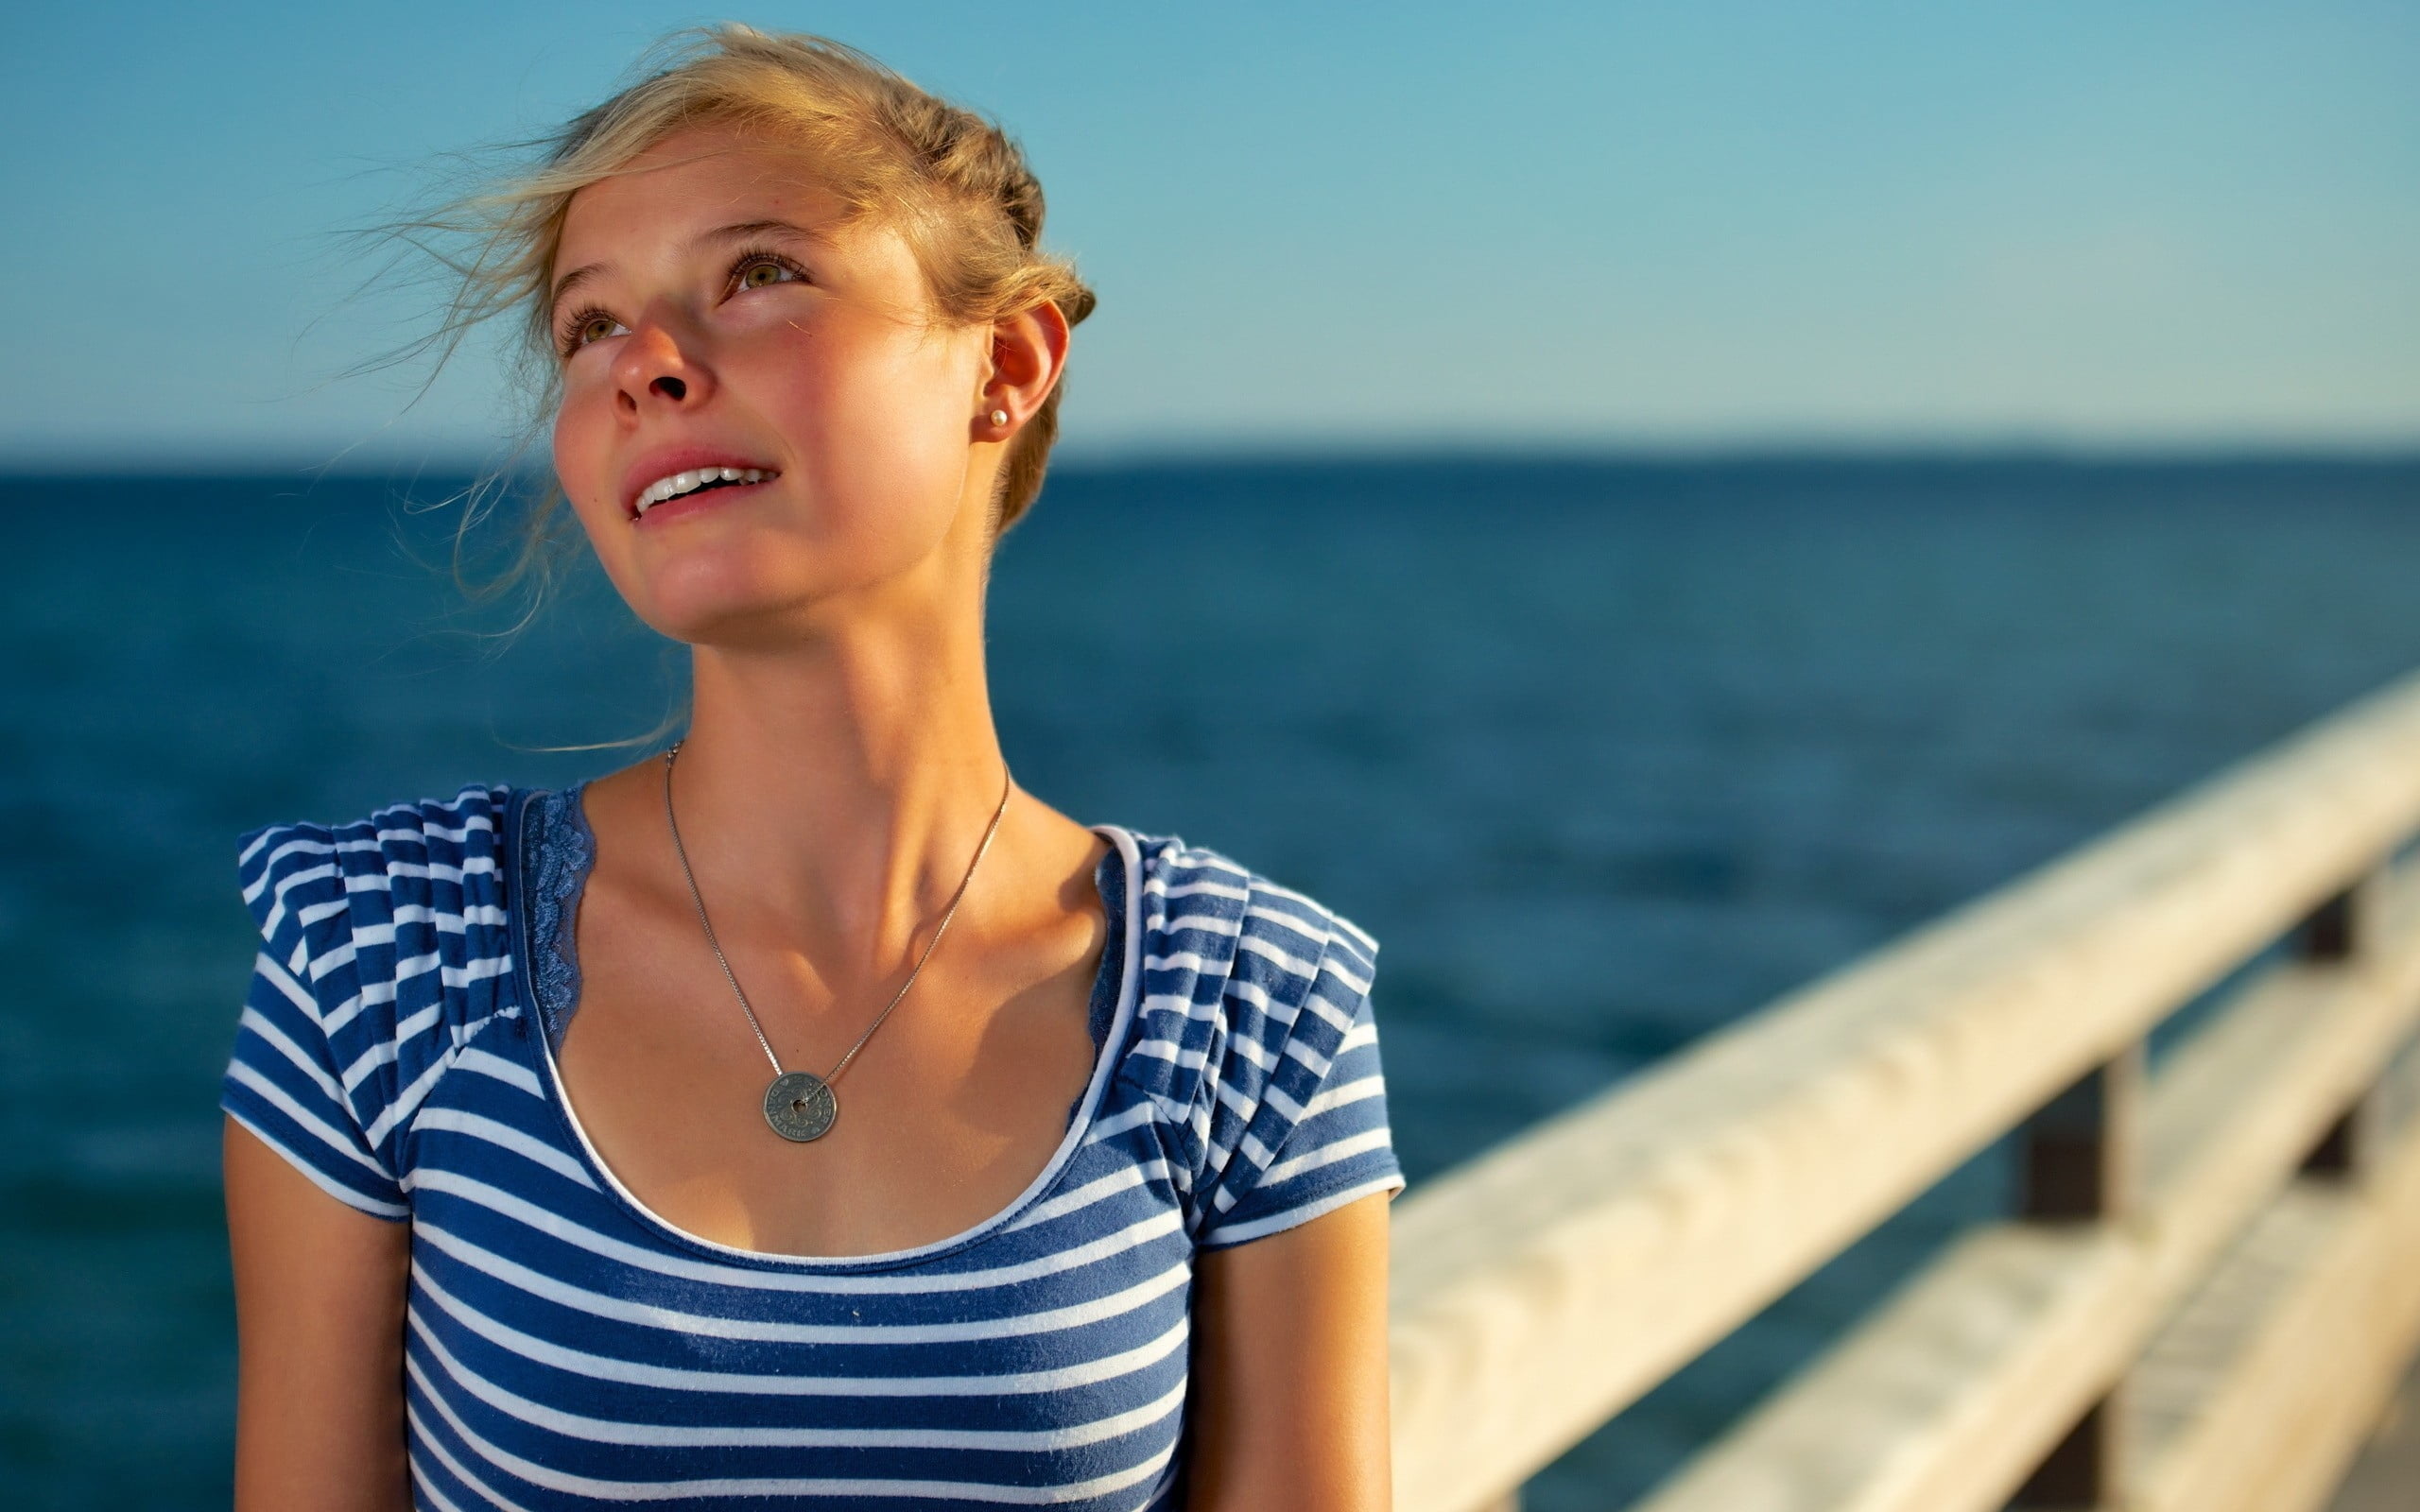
999, 416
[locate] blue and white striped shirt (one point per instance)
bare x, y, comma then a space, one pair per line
566, 1347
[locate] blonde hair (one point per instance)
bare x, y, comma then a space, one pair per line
954, 185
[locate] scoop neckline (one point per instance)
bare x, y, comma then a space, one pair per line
1088, 1109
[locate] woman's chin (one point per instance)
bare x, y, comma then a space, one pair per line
746, 616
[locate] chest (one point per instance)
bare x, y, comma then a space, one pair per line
564, 1344
940, 1118
945, 1107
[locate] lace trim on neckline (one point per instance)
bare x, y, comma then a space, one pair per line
565, 849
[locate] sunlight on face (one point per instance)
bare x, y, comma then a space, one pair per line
713, 312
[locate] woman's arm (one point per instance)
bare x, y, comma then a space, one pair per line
320, 1327
1290, 1369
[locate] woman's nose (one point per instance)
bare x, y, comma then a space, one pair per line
655, 370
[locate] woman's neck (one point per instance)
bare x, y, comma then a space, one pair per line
837, 789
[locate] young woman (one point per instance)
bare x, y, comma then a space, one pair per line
805, 1116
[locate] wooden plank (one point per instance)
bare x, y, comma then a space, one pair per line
2317, 1330
2389, 1468
1948, 1397
1549, 1283
2244, 1104
2204, 1339
2277, 1431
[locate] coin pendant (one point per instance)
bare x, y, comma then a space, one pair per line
800, 1106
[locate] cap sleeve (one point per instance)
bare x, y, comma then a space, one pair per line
1257, 1046
382, 949
1317, 1137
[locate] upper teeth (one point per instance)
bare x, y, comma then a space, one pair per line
680, 483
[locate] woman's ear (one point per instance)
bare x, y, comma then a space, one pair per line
1028, 350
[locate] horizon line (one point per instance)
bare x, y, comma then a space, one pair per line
1782, 452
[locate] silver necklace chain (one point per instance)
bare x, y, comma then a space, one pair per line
671, 754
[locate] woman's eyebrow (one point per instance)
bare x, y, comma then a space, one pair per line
571, 281
742, 231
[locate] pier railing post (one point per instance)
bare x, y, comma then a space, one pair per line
2081, 1163
2343, 923
2335, 932
2350, 1144
2082, 1152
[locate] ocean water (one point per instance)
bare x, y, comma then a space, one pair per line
1605, 754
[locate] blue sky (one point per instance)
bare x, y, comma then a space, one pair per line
1701, 224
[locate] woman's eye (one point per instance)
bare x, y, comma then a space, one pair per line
587, 327
764, 271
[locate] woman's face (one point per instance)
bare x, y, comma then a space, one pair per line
713, 312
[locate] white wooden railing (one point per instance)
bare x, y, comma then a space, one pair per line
2213, 1277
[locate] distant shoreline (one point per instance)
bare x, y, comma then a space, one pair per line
1305, 463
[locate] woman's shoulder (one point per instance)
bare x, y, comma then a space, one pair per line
383, 953
1255, 1037
1194, 888
410, 890
456, 833
1230, 953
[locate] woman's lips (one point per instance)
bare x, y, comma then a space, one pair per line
685, 492
662, 471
